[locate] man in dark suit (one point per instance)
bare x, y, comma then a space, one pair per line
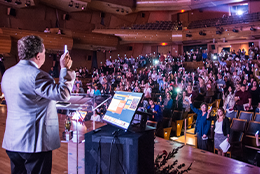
32, 127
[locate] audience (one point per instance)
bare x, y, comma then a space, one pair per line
221, 128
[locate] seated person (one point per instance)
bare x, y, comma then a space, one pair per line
96, 117
90, 91
47, 30
78, 89
155, 110
167, 105
258, 108
96, 91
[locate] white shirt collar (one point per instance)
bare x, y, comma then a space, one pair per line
35, 64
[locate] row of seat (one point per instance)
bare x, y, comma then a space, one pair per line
253, 17
158, 25
248, 116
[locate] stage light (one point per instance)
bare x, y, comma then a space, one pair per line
163, 44
28, 3
8, 0
240, 12
117, 10
215, 57
182, 11
77, 5
83, 7
71, 3
122, 11
18, 2
188, 35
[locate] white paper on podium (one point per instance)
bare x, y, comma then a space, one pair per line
224, 145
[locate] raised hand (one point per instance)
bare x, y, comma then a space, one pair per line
65, 61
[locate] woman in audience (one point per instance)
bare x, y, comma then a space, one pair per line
167, 106
97, 91
185, 102
255, 94
96, 117
142, 85
210, 89
90, 91
202, 124
222, 130
229, 101
147, 91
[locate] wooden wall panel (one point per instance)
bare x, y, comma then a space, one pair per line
159, 16
94, 39
5, 44
51, 41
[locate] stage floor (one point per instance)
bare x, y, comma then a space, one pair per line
202, 161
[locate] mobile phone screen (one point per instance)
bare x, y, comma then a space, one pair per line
257, 132
65, 49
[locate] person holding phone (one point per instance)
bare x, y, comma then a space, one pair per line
221, 128
202, 124
155, 110
32, 125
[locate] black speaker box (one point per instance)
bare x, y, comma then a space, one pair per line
11, 12
213, 47
128, 153
142, 15
66, 17
130, 48
102, 15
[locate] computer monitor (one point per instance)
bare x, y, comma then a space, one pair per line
122, 108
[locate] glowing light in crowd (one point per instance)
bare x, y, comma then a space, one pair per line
240, 12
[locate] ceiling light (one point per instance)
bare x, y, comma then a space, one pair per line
18, 2
77, 5
71, 3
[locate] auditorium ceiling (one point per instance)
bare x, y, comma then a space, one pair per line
123, 7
